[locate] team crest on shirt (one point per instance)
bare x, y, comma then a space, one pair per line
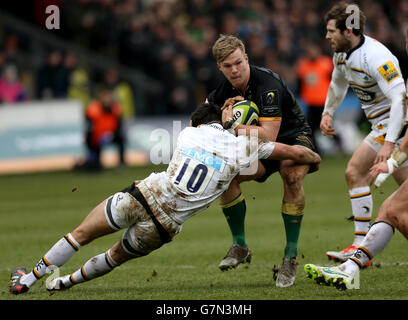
270, 98
388, 71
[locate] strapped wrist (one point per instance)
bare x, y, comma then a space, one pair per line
399, 157
392, 165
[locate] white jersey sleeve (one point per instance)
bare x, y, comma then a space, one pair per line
384, 67
337, 89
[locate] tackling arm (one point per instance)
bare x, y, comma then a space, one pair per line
267, 130
297, 153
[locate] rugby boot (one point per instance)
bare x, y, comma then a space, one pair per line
333, 276
236, 254
287, 272
16, 287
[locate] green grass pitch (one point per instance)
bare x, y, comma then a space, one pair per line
38, 209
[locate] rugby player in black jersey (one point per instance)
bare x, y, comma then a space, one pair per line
280, 119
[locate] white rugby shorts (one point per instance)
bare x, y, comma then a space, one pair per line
376, 138
122, 210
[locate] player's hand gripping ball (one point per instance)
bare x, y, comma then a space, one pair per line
246, 112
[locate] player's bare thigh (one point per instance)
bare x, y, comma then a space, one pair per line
93, 226
394, 209
359, 165
292, 173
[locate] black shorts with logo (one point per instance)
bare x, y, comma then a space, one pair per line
272, 166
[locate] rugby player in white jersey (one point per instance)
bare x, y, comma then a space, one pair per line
393, 214
373, 73
153, 210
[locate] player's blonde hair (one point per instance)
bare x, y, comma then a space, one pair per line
225, 45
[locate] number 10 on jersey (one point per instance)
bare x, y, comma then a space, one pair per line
192, 176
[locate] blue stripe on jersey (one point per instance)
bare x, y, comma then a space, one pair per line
205, 158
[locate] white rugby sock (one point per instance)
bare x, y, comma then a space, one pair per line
93, 268
58, 255
362, 207
374, 242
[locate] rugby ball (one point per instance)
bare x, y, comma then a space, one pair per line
246, 112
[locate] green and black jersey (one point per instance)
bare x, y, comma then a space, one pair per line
273, 98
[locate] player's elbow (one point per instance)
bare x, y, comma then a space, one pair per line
305, 155
299, 154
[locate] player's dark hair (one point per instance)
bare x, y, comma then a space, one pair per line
206, 113
338, 13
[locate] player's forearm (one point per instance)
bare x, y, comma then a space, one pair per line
258, 131
334, 98
397, 112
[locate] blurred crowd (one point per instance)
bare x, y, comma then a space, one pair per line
170, 41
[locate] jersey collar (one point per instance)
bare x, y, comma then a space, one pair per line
362, 40
214, 125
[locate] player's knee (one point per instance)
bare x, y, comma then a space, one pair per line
292, 178
352, 174
124, 203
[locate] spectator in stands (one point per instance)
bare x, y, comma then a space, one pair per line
52, 80
11, 87
122, 92
180, 97
147, 35
104, 127
78, 80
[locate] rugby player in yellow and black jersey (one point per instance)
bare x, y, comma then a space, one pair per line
281, 119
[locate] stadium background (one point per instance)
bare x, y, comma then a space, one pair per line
156, 55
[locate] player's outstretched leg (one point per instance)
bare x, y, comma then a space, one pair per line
93, 226
95, 267
58, 255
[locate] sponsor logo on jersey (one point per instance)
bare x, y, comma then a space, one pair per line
388, 71
363, 95
204, 157
270, 98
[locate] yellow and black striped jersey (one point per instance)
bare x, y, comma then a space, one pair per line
371, 70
